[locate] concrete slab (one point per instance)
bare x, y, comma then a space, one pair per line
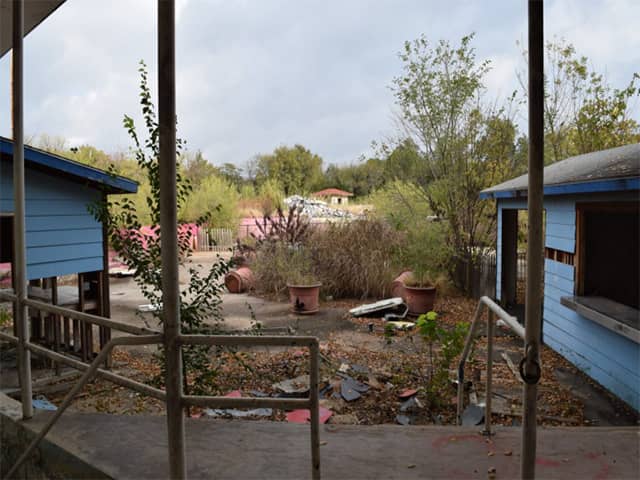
136, 447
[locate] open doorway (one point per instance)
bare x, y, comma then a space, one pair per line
515, 225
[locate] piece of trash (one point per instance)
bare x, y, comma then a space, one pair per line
359, 369
348, 392
344, 368
407, 393
491, 472
235, 413
323, 443
379, 308
411, 405
472, 415
490, 454
234, 394
298, 386
41, 403
304, 415
403, 420
401, 325
150, 307
350, 388
258, 393
508, 453
324, 391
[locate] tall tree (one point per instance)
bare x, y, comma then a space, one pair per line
464, 144
295, 169
582, 112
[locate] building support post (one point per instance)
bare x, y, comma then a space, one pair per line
530, 369
169, 236
20, 257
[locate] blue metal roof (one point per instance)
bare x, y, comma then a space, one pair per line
615, 169
58, 164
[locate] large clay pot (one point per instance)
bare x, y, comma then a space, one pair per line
239, 280
305, 299
397, 286
420, 299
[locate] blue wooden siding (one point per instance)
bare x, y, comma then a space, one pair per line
610, 359
62, 237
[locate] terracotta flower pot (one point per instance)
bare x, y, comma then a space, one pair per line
420, 299
305, 299
397, 286
239, 280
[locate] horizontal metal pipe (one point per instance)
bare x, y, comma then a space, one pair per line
247, 340
87, 317
511, 321
110, 376
230, 402
79, 385
8, 338
5, 296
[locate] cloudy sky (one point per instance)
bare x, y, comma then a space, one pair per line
255, 74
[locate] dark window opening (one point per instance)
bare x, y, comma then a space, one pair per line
609, 261
6, 251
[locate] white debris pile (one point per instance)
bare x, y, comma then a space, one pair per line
315, 208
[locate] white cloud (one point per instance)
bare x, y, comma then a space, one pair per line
256, 74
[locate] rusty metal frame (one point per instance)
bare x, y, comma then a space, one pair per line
145, 337
494, 310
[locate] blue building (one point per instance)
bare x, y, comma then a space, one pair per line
62, 237
592, 262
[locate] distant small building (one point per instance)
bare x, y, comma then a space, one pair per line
333, 196
592, 262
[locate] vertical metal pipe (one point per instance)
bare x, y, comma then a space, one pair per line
20, 256
314, 378
489, 377
533, 308
169, 236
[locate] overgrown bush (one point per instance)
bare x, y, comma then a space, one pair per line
425, 252
215, 198
355, 259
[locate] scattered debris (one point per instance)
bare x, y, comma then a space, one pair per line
407, 393
344, 368
315, 208
379, 309
298, 386
472, 415
359, 369
304, 415
41, 403
148, 307
403, 420
235, 413
350, 388
411, 405
401, 325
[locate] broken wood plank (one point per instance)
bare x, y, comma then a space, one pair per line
511, 366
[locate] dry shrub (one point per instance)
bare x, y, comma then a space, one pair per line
355, 259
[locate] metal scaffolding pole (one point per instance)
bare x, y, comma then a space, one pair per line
169, 236
20, 257
533, 312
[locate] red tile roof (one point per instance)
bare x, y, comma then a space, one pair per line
332, 192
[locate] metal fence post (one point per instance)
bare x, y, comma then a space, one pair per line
531, 367
314, 378
487, 402
169, 236
20, 256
